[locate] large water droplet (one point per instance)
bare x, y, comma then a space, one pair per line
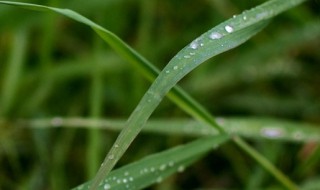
271, 132
228, 28
215, 35
111, 157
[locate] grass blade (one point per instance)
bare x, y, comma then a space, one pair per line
248, 127
156, 167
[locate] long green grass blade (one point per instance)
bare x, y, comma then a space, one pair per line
248, 127
265, 164
155, 168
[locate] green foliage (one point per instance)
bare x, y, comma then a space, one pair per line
60, 71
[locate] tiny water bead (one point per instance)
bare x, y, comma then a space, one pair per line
111, 157
215, 35
159, 179
106, 187
162, 167
57, 122
194, 44
181, 168
228, 28
271, 132
175, 67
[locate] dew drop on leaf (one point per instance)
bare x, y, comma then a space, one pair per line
215, 35
228, 28
111, 157
181, 168
271, 132
106, 187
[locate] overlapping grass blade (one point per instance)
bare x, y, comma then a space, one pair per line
157, 167
248, 127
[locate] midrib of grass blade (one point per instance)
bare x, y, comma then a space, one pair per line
262, 12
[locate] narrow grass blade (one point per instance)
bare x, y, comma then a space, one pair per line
13, 70
155, 168
248, 127
265, 164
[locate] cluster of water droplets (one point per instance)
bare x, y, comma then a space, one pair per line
126, 179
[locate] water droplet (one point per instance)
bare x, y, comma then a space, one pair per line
192, 53
119, 181
171, 163
57, 121
175, 67
125, 180
244, 17
228, 28
130, 178
80, 187
187, 56
215, 35
116, 146
159, 179
152, 169
111, 157
181, 168
194, 44
167, 71
272, 132
234, 16
106, 187
162, 167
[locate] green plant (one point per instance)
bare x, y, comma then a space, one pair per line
221, 38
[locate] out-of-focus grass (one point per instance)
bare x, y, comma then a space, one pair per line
57, 67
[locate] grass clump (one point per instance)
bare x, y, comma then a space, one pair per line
59, 74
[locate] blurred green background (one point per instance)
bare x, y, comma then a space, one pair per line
51, 66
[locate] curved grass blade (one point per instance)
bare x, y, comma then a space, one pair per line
248, 127
154, 168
